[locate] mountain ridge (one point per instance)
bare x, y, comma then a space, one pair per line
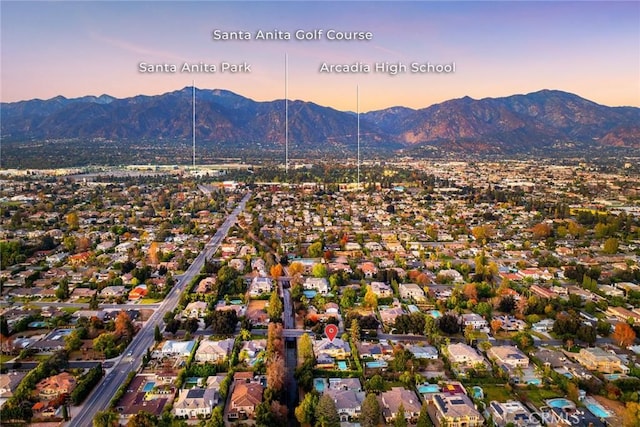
542, 120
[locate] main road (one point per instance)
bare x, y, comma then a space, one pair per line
104, 391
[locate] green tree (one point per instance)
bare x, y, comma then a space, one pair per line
370, 414
62, 292
274, 310
157, 335
375, 384
315, 250
73, 341
106, 418
73, 221
143, 419
319, 270
423, 419
305, 411
326, 412
400, 421
305, 348
370, 298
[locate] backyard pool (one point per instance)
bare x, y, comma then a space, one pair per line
478, 393
148, 386
318, 384
309, 293
342, 365
435, 314
561, 403
376, 364
596, 409
236, 302
428, 388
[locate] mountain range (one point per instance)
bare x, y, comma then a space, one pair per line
543, 121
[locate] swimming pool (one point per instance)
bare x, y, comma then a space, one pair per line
148, 386
435, 314
561, 403
596, 409
428, 388
309, 293
342, 365
478, 393
376, 364
318, 384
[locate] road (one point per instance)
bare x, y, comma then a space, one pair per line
131, 361
102, 306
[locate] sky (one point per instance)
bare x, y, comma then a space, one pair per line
499, 48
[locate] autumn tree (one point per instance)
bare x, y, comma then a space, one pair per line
296, 268
124, 326
611, 246
275, 342
496, 325
315, 250
143, 419
276, 271
631, 415
72, 221
470, 292
370, 414
541, 231
623, 335
370, 298
355, 331
275, 373
106, 418
153, 254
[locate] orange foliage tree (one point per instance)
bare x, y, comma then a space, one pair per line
623, 335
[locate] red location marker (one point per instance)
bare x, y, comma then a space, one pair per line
331, 331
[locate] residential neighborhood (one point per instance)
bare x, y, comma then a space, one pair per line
464, 294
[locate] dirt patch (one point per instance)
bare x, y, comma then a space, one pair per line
145, 314
256, 312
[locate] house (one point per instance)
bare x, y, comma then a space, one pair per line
138, 292
57, 385
510, 324
251, 350
348, 402
206, 285
426, 352
336, 349
175, 348
622, 314
597, 359
389, 315
508, 355
195, 309
196, 402
391, 401
82, 293
113, 292
214, 351
244, 399
544, 326
369, 269
411, 291
511, 412
319, 284
454, 411
382, 290
462, 355
260, 285
474, 320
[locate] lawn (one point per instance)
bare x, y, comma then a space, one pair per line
539, 395
70, 310
150, 300
5, 358
495, 392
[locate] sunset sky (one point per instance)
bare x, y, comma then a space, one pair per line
499, 48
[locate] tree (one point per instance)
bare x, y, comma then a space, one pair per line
315, 250
124, 326
326, 412
507, 304
370, 298
62, 292
631, 415
587, 333
305, 347
275, 373
423, 419
319, 270
157, 335
449, 324
611, 246
603, 327
154, 253
355, 331
496, 325
276, 271
623, 335
106, 418
400, 420
542, 230
370, 414
72, 221
274, 310
375, 384
296, 268
143, 419
73, 341
305, 411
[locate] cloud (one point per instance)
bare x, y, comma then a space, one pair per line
137, 49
